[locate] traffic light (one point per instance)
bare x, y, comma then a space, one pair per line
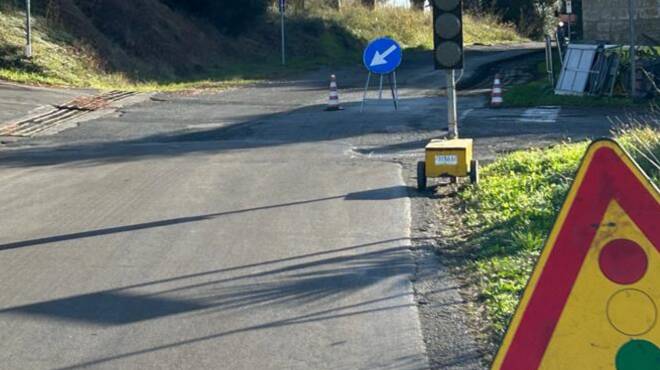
448, 34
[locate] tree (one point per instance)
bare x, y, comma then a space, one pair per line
371, 4
418, 4
229, 16
529, 15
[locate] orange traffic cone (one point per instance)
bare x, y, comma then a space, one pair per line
496, 95
333, 101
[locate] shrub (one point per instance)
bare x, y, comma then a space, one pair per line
229, 16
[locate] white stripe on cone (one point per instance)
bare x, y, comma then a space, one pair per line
496, 93
333, 100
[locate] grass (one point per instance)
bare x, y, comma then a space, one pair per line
413, 29
57, 59
510, 213
539, 92
317, 37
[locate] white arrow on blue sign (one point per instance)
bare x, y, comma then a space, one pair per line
382, 56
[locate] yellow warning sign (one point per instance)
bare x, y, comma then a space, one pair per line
592, 301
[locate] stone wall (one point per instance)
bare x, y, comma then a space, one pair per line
607, 20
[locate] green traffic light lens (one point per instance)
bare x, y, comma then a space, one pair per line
638, 355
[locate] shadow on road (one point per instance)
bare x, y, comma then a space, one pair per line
392, 192
305, 125
289, 283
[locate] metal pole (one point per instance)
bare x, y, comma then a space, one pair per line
366, 88
451, 108
380, 91
569, 11
283, 38
549, 67
561, 55
28, 30
633, 67
393, 88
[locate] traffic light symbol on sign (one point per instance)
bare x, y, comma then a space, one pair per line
593, 299
448, 34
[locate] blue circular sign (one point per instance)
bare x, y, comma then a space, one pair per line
382, 56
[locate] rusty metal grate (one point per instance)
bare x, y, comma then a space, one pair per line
45, 122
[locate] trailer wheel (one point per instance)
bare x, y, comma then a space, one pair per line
474, 171
421, 176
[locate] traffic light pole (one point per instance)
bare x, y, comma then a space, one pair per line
452, 115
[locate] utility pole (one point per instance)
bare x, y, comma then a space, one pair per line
28, 30
633, 67
282, 10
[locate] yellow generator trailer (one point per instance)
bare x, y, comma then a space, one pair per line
448, 158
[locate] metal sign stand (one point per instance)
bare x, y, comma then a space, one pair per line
393, 89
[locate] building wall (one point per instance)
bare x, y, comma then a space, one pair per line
607, 20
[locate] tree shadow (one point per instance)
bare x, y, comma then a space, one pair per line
318, 279
388, 193
407, 362
290, 285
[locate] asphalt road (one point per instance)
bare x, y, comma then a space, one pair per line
18, 100
240, 230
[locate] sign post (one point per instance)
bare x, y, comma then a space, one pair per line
28, 30
282, 11
382, 56
569, 11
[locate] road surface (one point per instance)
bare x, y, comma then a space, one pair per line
246, 229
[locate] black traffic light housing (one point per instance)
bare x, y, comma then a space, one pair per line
448, 34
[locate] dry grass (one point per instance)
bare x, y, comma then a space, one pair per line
414, 28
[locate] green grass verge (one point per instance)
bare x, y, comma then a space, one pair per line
510, 213
317, 37
539, 92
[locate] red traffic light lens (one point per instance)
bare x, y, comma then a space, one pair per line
623, 261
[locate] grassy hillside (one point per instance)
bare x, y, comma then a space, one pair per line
115, 47
414, 29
